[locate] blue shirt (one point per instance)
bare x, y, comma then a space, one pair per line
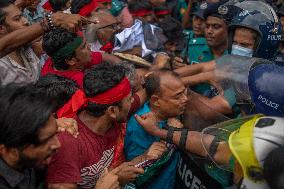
34, 17
137, 141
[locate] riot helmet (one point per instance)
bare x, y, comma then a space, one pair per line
262, 19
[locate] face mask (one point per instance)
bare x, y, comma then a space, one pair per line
241, 51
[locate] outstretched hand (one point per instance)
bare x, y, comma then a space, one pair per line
71, 22
148, 122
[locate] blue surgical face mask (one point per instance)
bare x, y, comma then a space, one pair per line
241, 51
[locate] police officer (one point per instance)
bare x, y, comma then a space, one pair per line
215, 45
247, 148
195, 37
216, 35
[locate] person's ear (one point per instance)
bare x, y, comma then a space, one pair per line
112, 112
11, 153
3, 30
71, 62
154, 100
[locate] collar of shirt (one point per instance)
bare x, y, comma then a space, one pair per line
207, 50
12, 176
146, 109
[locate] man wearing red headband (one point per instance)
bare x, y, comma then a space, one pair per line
101, 111
142, 10
70, 55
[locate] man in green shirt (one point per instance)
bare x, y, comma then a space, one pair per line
215, 43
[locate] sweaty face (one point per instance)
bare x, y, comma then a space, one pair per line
173, 96
244, 37
83, 54
216, 31
14, 19
198, 26
124, 108
40, 155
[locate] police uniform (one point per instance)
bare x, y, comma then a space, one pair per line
198, 52
209, 175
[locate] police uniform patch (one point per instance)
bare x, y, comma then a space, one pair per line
203, 6
223, 9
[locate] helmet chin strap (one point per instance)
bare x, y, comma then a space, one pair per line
275, 17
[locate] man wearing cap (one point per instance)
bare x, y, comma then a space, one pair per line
195, 37
101, 111
216, 35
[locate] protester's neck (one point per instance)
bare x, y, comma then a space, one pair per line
158, 114
218, 51
99, 125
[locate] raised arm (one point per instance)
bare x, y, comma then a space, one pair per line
18, 38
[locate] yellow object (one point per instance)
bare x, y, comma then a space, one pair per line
242, 147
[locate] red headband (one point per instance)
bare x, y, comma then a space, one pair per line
47, 6
87, 9
162, 12
79, 99
141, 12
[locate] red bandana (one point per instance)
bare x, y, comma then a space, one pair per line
47, 6
79, 99
107, 47
87, 9
141, 13
162, 12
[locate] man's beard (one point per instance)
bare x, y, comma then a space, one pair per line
25, 162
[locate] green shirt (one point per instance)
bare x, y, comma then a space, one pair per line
198, 52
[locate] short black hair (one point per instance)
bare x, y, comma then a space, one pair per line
274, 168
152, 83
135, 5
77, 5
173, 30
55, 40
58, 5
99, 79
23, 112
59, 89
4, 4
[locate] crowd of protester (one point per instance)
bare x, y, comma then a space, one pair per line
141, 94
